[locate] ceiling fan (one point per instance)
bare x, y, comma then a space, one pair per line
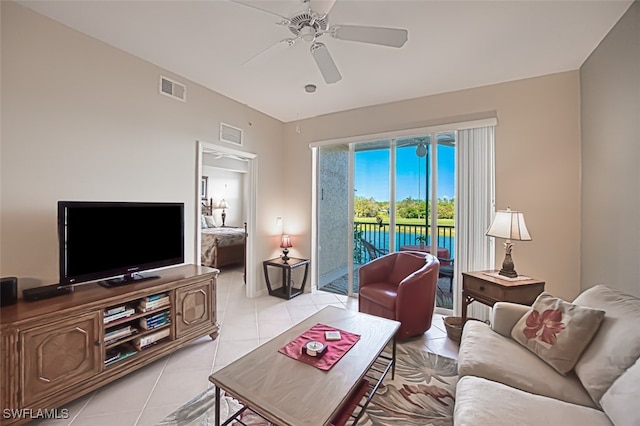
312, 22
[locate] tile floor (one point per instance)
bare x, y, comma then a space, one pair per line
148, 395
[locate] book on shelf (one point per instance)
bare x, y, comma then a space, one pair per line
146, 306
151, 326
159, 318
114, 310
163, 299
159, 315
111, 356
154, 297
123, 314
118, 354
155, 321
144, 341
118, 333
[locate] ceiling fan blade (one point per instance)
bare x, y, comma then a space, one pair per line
322, 7
260, 9
270, 51
392, 37
327, 67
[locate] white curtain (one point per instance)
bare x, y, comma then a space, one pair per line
474, 209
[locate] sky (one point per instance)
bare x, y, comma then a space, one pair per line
372, 172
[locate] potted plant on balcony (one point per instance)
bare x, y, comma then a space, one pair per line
421, 239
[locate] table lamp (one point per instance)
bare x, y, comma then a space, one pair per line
510, 225
223, 205
285, 243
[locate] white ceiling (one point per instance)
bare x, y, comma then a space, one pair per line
452, 45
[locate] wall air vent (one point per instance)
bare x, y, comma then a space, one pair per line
173, 89
230, 134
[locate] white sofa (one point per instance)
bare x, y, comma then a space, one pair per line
503, 383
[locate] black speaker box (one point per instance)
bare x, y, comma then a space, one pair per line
45, 292
8, 291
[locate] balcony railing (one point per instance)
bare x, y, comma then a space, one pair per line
378, 235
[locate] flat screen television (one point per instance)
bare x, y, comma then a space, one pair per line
117, 240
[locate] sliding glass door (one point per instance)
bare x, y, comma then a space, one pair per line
424, 198
381, 196
371, 170
413, 188
333, 218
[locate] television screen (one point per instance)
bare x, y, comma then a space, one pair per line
107, 239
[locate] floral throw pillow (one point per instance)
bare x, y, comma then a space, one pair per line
557, 331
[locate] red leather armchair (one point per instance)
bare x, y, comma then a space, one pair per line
400, 286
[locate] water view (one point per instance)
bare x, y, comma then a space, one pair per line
380, 240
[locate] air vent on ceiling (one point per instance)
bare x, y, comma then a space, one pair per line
173, 89
230, 134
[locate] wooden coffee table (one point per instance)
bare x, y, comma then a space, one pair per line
286, 391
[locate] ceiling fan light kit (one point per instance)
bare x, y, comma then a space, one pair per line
313, 21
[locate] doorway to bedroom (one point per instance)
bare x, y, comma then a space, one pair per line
226, 209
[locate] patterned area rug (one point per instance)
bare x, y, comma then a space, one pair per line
422, 393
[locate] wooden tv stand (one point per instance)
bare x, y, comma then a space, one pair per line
54, 350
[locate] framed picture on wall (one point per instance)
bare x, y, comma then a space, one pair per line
204, 182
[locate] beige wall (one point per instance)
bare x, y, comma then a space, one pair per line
610, 88
537, 162
84, 121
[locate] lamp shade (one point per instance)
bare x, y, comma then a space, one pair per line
223, 204
286, 242
510, 225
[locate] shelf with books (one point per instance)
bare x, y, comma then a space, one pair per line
150, 322
146, 320
141, 341
137, 307
153, 337
116, 314
138, 333
118, 353
115, 335
136, 315
153, 302
144, 323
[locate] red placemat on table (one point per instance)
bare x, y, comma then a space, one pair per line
335, 348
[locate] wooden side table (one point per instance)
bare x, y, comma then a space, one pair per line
483, 288
287, 291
